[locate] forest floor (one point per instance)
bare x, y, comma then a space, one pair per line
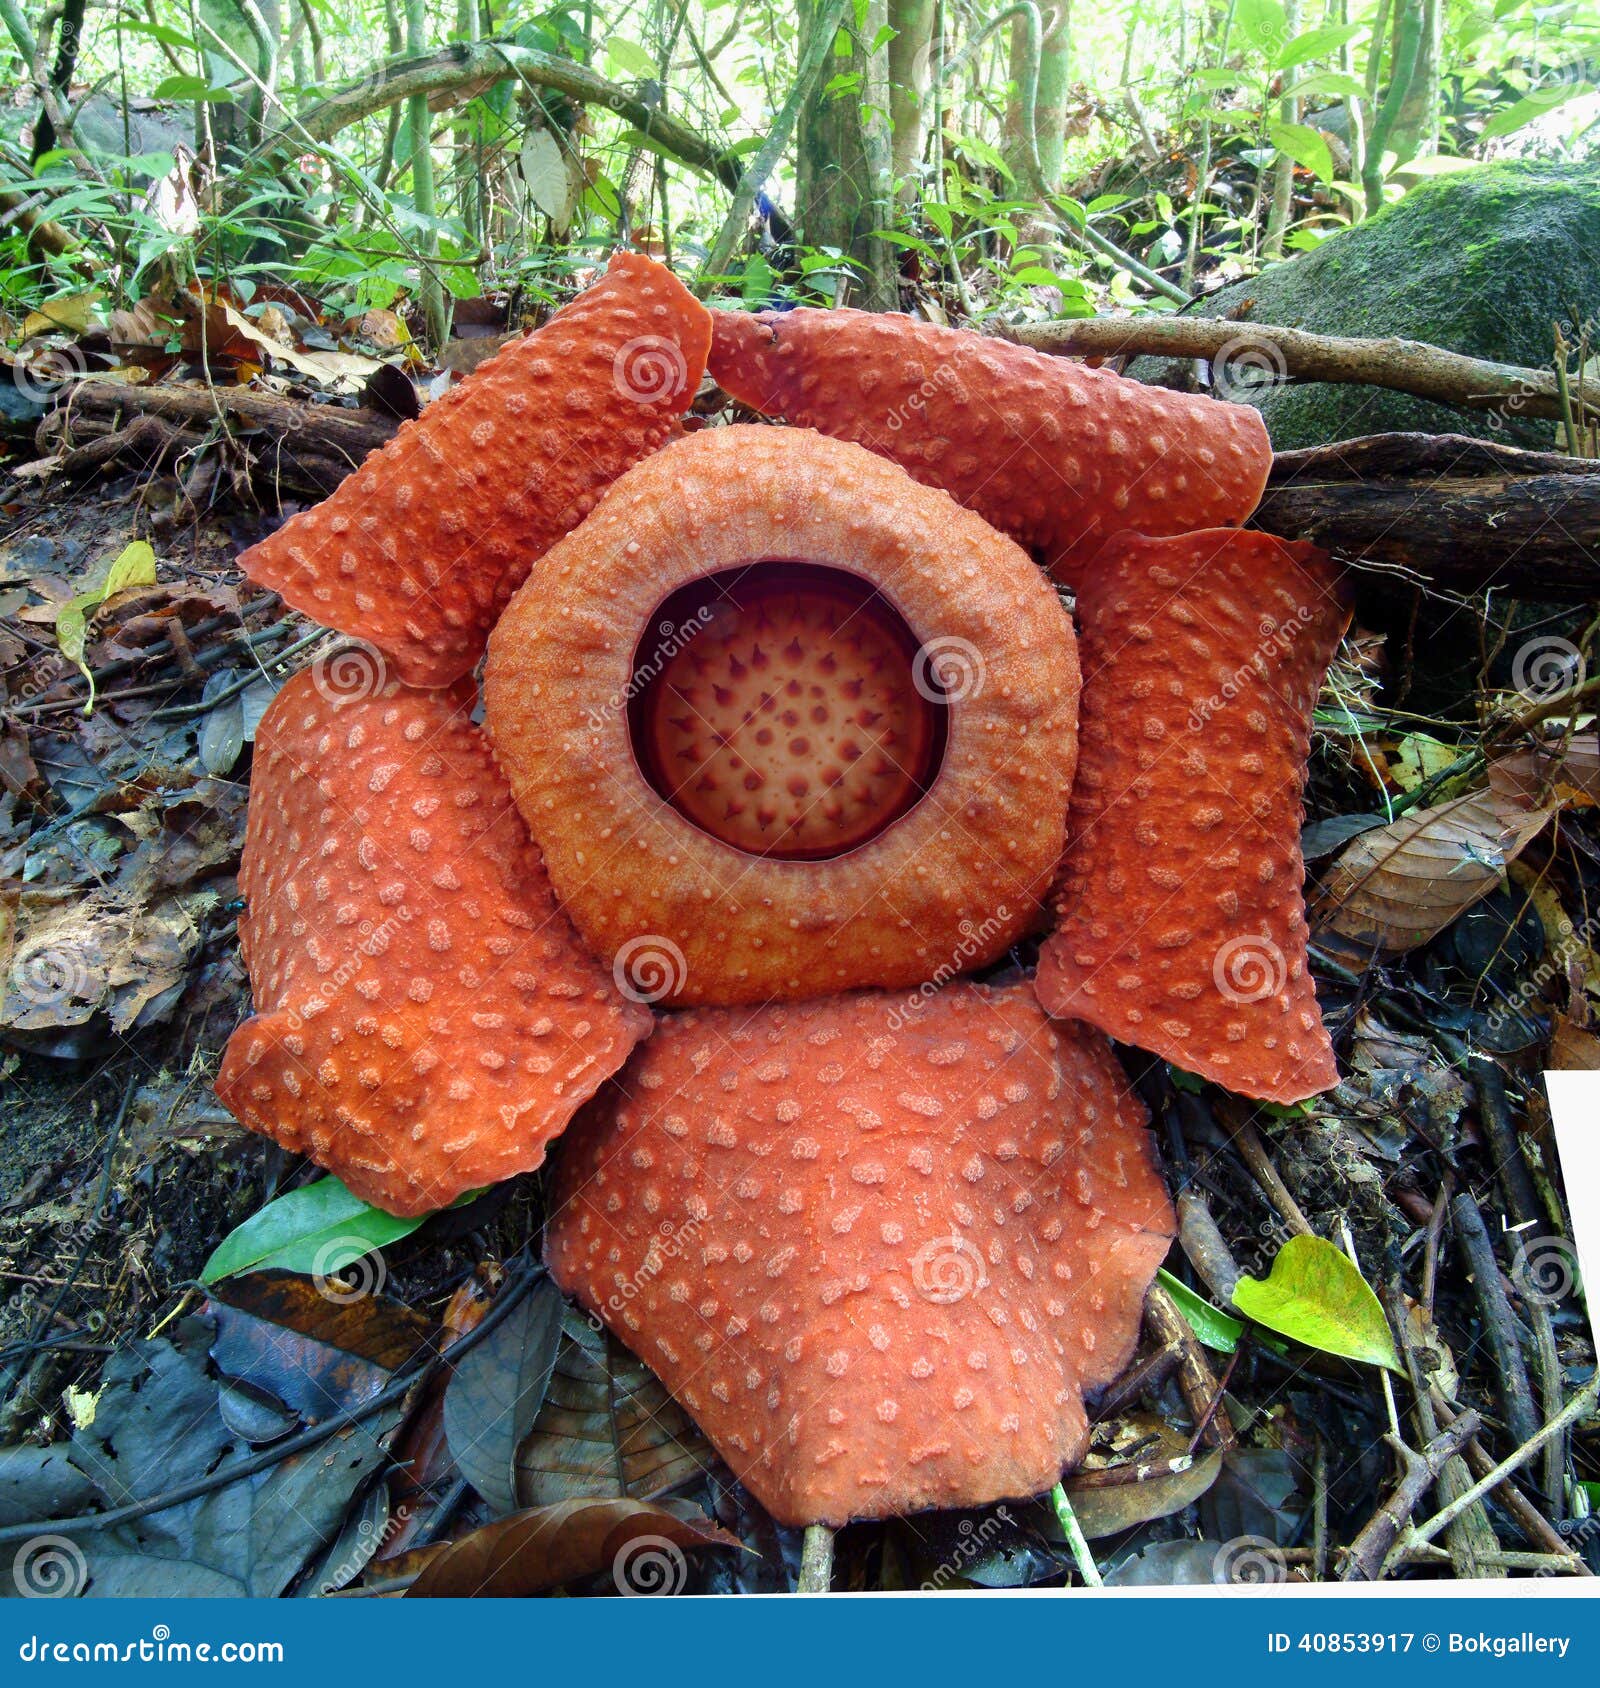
120, 1172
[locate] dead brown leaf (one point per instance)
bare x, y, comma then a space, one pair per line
1396, 886
1109, 1509
607, 1429
1551, 773
548, 1547
1572, 1049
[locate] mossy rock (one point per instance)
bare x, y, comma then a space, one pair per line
1484, 262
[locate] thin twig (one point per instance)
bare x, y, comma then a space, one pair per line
314, 1437
816, 1560
1076, 1540
1369, 1553
1582, 1403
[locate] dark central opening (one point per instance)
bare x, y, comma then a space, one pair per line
780, 707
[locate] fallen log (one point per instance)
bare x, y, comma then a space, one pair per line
1443, 511
1426, 510
287, 445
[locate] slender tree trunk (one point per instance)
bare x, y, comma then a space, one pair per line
736, 225
1050, 106
469, 138
1418, 119
67, 44
1282, 205
1410, 25
430, 292
844, 180
909, 82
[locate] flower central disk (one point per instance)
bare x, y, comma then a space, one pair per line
785, 710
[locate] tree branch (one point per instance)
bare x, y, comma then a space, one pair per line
469, 64
1442, 511
1401, 366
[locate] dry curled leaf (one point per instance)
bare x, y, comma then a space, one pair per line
547, 1547
1395, 887
1109, 1509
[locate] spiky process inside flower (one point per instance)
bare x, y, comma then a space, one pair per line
787, 723
786, 715
878, 1246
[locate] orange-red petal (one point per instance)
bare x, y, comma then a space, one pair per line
426, 1018
419, 550
1182, 924
877, 1246
1054, 453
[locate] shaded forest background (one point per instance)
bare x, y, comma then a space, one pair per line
1049, 160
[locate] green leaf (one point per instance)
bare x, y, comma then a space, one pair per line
1263, 23
1035, 275
1336, 84
939, 216
628, 58
1214, 1327
135, 565
1316, 44
1314, 1295
1535, 105
321, 1228
190, 88
755, 282
898, 237
1305, 146
158, 32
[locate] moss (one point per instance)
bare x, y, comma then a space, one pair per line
1483, 262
